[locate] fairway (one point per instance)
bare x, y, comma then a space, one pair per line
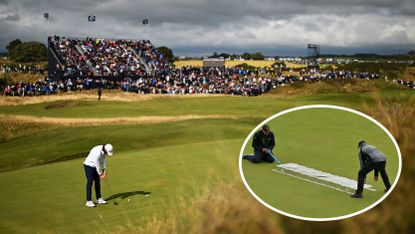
325, 140
173, 159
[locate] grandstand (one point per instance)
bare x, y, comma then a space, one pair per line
105, 58
137, 66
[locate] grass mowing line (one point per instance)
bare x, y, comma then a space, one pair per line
314, 182
74, 96
91, 95
116, 120
340, 180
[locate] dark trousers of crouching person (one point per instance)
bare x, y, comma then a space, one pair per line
368, 167
260, 157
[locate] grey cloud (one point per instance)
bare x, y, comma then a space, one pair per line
215, 11
12, 17
203, 23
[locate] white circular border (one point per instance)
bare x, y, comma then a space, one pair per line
311, 107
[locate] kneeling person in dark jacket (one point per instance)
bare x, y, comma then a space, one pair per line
263, 143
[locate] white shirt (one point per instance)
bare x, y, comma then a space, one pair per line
96, 158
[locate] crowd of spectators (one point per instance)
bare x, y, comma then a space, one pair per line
27, 89
186, 80
48, 87
154, 60
136, 66
21, 68
406, 83
337, 74
99, 57
74, 62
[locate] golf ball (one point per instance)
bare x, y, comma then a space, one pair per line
128, 200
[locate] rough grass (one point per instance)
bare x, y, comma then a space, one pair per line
409, 74
399, 118
184, 63
10, 120
12, 128
223, 208
254, 63
112, 95
27, 78
336, 86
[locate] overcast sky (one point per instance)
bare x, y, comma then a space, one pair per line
196, 27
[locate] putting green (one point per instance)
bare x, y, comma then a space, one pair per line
326, 140
51, 197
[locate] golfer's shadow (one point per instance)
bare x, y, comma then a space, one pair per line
126, 195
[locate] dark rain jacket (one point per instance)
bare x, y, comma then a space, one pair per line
369, 153
263, 141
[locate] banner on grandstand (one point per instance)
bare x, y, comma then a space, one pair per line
145, 21
91, 18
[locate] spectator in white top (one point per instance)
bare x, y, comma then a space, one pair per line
92, 165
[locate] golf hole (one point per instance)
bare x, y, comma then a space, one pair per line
312, 171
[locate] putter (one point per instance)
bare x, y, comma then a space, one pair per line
109, 187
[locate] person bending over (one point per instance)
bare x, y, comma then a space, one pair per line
370, 159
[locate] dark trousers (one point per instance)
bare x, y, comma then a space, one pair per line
368, 167
92, 176
259, 157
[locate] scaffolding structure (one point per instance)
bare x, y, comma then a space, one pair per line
313, 52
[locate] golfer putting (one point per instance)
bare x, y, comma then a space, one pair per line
263, 144
370, 159
93, 163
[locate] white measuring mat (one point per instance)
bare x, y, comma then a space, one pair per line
321, 175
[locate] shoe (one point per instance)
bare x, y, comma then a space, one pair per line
356, 195
90, 204
101, 201
386, 190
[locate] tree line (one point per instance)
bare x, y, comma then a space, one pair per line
246, 56
31, 51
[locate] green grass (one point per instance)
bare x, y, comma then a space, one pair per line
262, 106
68, 143
173, 161
324, 139
51, 197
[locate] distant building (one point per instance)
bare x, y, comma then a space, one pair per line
291, 59
213, 62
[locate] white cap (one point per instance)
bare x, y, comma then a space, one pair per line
108, 148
